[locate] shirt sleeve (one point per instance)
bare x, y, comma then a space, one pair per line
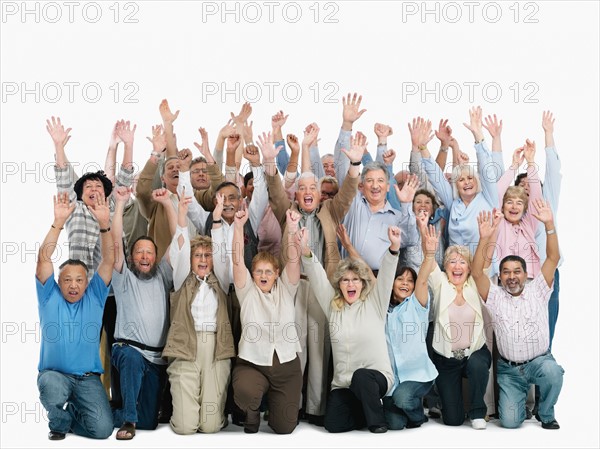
44, 291
196, 212
180, 258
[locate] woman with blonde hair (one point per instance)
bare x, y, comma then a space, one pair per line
356, 306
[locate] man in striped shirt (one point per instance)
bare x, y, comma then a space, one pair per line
519, 313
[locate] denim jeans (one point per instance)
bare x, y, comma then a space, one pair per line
405, 406
141, 386
476, 368
553, 306
75, 403
514, 382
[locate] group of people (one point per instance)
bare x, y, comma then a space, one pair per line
299, 285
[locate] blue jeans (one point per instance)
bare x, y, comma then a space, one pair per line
514, 382
75, 403
451, 371
141, 385
405, 405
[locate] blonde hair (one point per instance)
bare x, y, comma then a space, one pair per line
266, 257
200, 240
516, 192
462, 251
461, 169
359, 268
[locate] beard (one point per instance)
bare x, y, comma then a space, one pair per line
142, 276
514, 289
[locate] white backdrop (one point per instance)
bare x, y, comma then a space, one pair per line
92, 63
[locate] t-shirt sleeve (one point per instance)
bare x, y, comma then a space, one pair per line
98, 289
245, 290
44, 291
166, 272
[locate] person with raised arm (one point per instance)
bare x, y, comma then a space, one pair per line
141, 289
356, 306
69, 366
267, 361
520, 317
199, 344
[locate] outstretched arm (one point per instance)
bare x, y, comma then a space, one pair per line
121, 195
168, 118
239, 268
63, 208
488, 233
294, 237
429, 242
544, 214
101, 213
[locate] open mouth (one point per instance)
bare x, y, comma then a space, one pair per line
73, 293
308, 200
351, 293
457, 275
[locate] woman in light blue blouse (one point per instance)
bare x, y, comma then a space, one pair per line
406, 328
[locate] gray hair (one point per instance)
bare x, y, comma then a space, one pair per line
373, 166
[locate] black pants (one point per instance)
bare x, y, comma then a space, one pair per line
351, 408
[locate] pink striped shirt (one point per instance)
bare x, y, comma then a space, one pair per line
521, 322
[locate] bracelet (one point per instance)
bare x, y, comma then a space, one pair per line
444, 150
219, 221
156, 154
104, 230
60, 229
356, 164
551, 231
394, 253
482, 139
422, 147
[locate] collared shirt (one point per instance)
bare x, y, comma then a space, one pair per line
369, 230
268, 321
521, 322
406, 329
310, 221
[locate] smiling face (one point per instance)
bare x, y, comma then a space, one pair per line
466, 185
375, 186
423, 203
351, 286
202, 260
170, 176
264, 275
73, 281
231, 203
92, 189
328, 190
457, 268
199, 176
328, 165
404, 286
308, 196
143, 259
513, 277
513, 209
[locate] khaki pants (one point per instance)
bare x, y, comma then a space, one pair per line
316, 347
199, 389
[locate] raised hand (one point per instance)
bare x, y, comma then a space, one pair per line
122, 194
407, 194
182, 207
429, 239
158, 139
463, 158
166, 114
204, 146
529, 151
351, 109
220, 202
240, 219
311, 134
125, 132
57, 132
162, 196
100, 210
292, 142
544, 212
247, 132
422, 220
292, 219
382, 132
185, 159
475, 124
252, 155
243, 116
63, 208
394, 236
114, 137
303, 236
278, 120
388, 157
425, 133
548, 122
357, 148
493, 126
420, 132
444, 133
233, 142
488, 224
517, 158
227, 130
267, 147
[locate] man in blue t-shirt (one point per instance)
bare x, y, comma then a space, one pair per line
71, 318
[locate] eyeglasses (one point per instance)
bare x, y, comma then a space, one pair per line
267, 273
197, 171
351, 281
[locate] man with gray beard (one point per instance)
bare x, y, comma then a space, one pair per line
141, 293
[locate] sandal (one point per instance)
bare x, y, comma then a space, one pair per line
129, 429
